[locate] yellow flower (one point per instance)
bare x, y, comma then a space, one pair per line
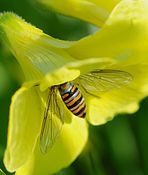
47, 61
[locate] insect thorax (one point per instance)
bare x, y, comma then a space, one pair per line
65, 87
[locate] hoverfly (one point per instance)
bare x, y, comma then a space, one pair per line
92, 83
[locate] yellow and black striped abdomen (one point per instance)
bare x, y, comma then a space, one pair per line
73, 99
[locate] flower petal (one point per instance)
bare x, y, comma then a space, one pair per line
124, 35
42, 58
124, 38
67, 147
24, 127
93, 11
26, 116
124, 99
73, 70
35, 51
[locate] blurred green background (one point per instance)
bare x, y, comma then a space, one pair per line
119, 147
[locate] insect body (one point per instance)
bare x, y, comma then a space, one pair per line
73, 99
92, 83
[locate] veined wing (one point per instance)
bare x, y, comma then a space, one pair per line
52, 122
98, 81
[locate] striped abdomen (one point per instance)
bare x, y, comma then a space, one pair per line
73, 99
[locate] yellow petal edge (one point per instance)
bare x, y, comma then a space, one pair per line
92, 11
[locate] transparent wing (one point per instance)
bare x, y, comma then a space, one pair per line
52, 122
99, 81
